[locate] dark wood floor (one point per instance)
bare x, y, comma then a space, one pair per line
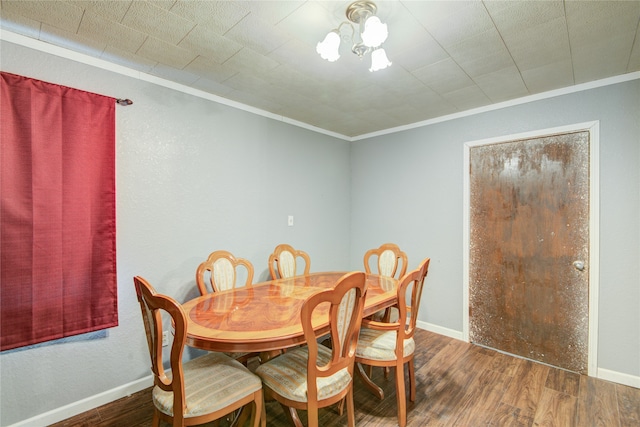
458, 384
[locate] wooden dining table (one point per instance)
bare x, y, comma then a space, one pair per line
266, 316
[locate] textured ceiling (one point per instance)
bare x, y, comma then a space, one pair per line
448, 56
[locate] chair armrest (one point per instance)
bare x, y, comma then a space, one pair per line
380, 326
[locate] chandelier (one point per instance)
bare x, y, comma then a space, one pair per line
370, 36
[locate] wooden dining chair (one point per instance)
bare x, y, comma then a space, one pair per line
283, 262
221, 267
391, 262
219, 272
315, 376
391, 344
198, 391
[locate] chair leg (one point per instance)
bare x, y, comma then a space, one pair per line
156, 419
412, 381
351, 415
401, 396
312, 415
371, 386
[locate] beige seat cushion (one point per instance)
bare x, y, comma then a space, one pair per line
211, 382
287, 375
381, 345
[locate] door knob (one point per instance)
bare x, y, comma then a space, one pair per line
579, 265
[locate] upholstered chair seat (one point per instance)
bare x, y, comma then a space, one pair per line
381, 345
287, 375
211, 383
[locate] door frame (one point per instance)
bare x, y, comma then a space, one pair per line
594, 224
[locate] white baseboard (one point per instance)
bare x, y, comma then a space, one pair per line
619, 378
440, 330
92, 402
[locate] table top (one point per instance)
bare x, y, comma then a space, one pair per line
266, 316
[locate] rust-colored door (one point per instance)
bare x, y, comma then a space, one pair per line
529, 248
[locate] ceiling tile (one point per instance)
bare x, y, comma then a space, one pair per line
218, 16
467, 98
514, 16
502, 85
157, 22
634, 59
210, 44
463, 20
19, 24
310, 23
274, 11
257, 35
113, 10
63, 15
247, 60
127, 59
71, 41
165, 53
481, 54
549, 76
211, 70
533, 47
601, 59
593, 22
111, 32
424, 52
444, 76
407, 33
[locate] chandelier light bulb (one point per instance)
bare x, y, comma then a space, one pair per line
379, 60
329, 48
375, 32
367, 35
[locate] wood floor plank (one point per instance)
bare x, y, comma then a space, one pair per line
555, 409
481, 399
563, 381
628, 405
510, 416
597, 403
526, 389
505, 364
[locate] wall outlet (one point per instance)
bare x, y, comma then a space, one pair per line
165, 338
290, 220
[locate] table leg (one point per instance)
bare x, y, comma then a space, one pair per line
373, 387
292, 415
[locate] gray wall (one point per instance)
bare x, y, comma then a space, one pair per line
420, 173
194, 176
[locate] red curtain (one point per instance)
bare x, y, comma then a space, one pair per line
57, 212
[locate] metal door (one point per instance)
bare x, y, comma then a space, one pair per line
529, 248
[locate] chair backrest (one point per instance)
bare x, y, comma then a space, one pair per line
283, 262
411, 283
389, 257
221, 266
152, 305
346, 303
